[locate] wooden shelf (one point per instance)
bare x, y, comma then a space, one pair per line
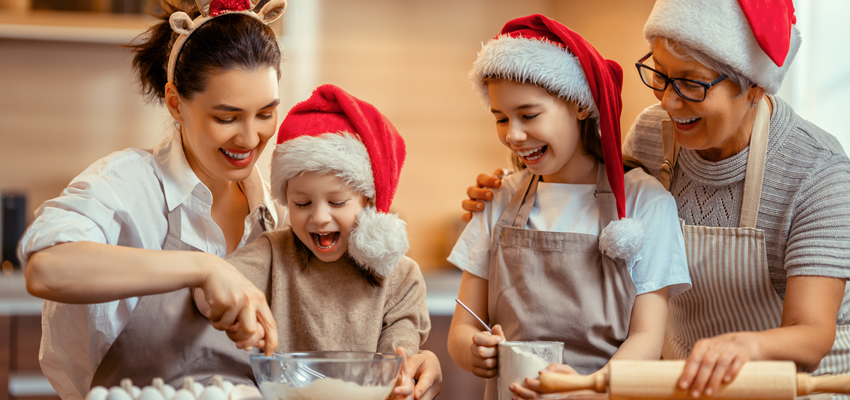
72, 26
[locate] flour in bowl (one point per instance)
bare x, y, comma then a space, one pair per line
324, 389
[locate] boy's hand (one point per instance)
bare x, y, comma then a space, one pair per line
404, 383
258, 339
485, 352
480, 192
427, 374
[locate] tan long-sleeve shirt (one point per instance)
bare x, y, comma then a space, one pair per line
334, 306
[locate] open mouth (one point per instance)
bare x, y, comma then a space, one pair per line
325, 242
532, 155
685, 124
238, 158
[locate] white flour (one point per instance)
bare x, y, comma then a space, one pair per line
514, 366
324, 389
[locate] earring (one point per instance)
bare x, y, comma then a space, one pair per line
753, 103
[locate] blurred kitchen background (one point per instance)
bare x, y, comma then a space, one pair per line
68, 97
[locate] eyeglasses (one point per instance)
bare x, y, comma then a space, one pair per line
686, 88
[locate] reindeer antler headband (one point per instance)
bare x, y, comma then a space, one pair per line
184, 25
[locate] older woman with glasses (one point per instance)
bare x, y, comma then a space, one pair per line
763, 193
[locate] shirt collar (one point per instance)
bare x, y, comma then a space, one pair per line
179, 181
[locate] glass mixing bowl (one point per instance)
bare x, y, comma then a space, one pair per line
326, 375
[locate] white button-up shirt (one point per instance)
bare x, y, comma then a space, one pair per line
123, 199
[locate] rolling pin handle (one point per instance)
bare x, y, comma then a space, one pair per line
601, 381
551, 382
807, 384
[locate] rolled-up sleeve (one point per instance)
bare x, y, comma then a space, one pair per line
118, 200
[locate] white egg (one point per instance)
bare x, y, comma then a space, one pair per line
227, 386
117, 393
168, 391
213, 393
99, 393
199, 388
244, 392
151, 393
183, 394
135, 392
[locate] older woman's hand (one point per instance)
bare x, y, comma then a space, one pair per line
480, 192
718, 360
530, 389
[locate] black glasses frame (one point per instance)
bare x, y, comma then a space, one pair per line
667, 80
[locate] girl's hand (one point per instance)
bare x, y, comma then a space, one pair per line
479, 192
484, 352
233, 298
717, 360
404, 383
531, 387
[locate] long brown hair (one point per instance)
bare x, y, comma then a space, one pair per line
222, 44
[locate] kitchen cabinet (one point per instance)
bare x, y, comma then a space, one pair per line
20, 336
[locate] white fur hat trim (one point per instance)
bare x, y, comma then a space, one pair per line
342, 154
539, 62
378, 241
623, 239
720, 29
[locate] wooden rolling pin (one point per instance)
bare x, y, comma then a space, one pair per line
659, 380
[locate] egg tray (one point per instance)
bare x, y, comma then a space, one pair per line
191, 390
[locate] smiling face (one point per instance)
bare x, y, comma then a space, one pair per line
542, 129
718, 127
322, 211
225, 127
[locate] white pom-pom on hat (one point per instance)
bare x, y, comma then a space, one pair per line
623, 239
378, 241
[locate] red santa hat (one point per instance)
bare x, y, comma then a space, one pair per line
541, 51
757, 38
334, 132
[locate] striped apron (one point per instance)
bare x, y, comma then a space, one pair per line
732, 291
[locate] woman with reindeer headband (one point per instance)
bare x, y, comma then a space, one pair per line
116, 305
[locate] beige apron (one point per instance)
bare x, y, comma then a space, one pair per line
732, 291
167, 337
556, 286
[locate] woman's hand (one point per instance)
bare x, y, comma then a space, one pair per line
479, 192
237, 306
427, 373
404, 383
485, 351
530, 389
717, 360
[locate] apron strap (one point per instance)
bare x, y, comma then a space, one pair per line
518, 210
755, 167
671, 153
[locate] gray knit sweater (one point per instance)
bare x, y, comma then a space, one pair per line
805, 200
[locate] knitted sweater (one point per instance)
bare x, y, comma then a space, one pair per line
805, 201
333, 306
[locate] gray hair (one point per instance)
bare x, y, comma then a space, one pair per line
687, 53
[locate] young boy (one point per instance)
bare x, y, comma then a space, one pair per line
337, 278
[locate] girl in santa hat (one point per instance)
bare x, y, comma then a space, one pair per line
571, 249
337, 278
762, 192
